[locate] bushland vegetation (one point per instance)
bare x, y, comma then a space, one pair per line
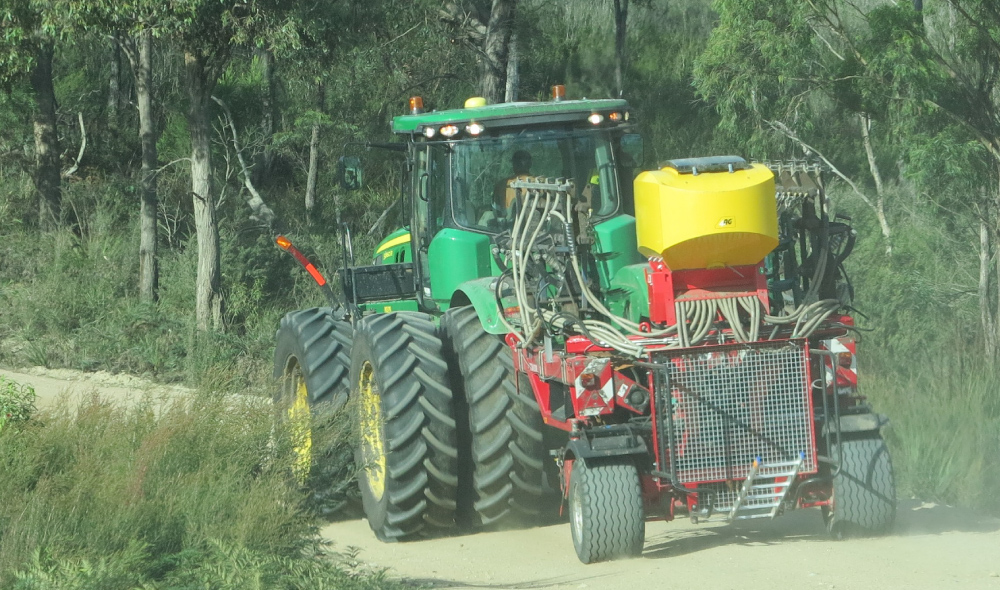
186, 492
132, 241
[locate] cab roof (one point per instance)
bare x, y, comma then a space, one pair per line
511, 114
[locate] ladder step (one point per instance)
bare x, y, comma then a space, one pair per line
746, 516
761, 495
775, 475
779, 464
751, 498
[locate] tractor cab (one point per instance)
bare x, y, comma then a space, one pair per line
460, 166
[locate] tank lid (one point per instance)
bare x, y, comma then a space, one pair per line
696, 166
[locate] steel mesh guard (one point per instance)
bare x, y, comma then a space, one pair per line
734, 403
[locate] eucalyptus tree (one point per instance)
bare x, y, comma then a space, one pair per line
936, 70
928, 75
132, 26
487, 25
27, 42
621, 34
207, 31
787, 71
944, 63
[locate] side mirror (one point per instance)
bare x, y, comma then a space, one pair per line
349, 172
632, 152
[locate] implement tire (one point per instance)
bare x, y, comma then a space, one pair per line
864, 489
407, 452
606, 515
505, 469
312, 361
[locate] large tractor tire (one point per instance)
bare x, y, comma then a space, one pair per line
864, 490
312, 361
606, 515
407, 453
535, 476
505, 469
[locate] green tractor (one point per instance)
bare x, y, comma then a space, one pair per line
524, 346
419, 339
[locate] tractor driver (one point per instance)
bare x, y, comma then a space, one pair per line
503, 195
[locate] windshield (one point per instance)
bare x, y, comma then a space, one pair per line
482, 169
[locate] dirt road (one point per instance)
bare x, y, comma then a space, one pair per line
932, 547
53, 386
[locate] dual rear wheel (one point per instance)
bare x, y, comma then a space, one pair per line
405, 451
415, 474
505, 471
408, 450
411, 412
312, 361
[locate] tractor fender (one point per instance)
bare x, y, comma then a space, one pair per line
599, 444
628, 296
481, 294
851, 423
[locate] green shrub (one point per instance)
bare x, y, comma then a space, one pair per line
187, 493
17, 402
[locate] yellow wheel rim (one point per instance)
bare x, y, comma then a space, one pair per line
372, 443
300, 426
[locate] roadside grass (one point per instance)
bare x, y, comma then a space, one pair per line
921, 359
163, 494
944, 432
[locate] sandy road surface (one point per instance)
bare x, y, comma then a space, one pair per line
54, 386
932, 547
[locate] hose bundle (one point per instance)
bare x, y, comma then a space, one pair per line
544, 202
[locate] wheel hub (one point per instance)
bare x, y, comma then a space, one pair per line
372, 441
299, 420
576, 516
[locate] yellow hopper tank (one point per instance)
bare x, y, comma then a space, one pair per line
706, 213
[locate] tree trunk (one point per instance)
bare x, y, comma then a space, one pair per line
262, 169
149, 275
621, 22
208, 296
994, 251
879, 207
314, 152
47, 181
493, 62
986, 316
513, 70
114, 86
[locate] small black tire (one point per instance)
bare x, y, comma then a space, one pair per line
312, 363
407, 453
864, 489
507, 457
606, 515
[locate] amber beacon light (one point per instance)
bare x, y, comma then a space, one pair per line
416, 105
